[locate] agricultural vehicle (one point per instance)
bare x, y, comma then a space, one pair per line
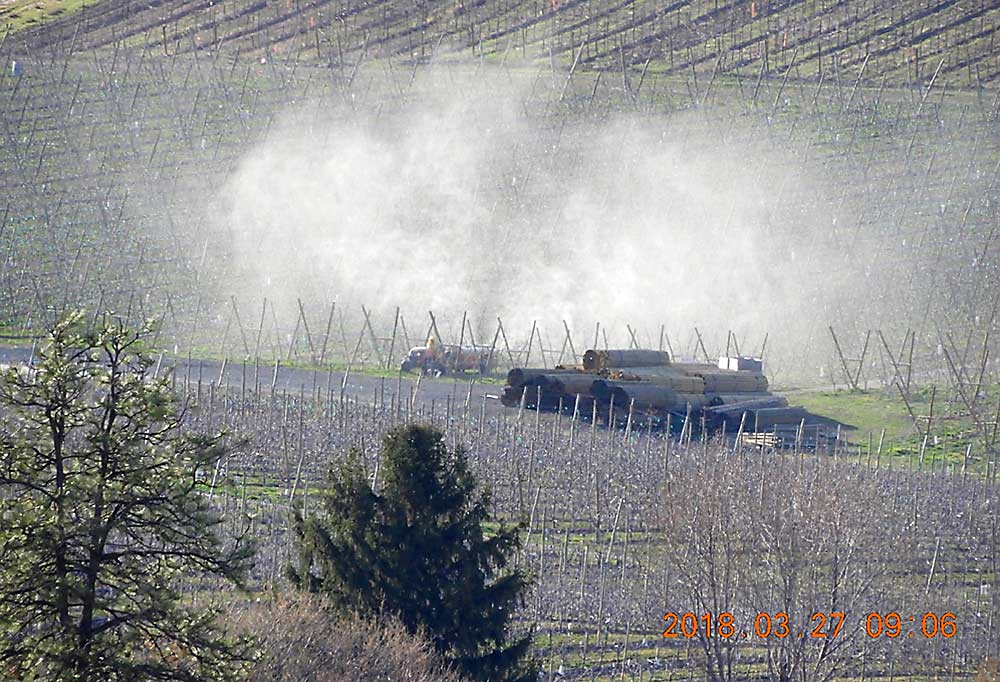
438, 359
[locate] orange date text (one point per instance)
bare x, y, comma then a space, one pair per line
821, 625
689, 625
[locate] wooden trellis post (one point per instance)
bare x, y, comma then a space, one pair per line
406, 336
633, 342
854, 378
506, 345
305, 326
531, 340
568, 340
243, 336
897, 363
371, 336
493, 346
392, 341
260, 329
434, 328
326, 335
701, 344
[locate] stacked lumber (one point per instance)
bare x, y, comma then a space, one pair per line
645, 395
669, 377
597, 360
645, 384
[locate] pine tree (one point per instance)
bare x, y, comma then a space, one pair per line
416, 549
103, 515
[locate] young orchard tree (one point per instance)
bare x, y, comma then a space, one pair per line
103, 515
795, 558
416, 550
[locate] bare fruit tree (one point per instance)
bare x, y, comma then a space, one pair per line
779, 552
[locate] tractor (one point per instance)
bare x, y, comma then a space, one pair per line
438, 359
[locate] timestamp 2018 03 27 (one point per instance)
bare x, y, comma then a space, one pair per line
821, 625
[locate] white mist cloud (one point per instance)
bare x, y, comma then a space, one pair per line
457, 200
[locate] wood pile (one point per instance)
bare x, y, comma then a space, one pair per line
644, 385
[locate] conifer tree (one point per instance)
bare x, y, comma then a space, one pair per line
416, 548
103, 515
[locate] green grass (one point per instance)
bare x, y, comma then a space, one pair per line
21, 14
13, 334
869, 412
866, 411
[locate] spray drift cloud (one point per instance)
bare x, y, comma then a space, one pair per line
457, 199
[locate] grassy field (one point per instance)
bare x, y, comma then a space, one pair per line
17, 15
868, 411
951, 438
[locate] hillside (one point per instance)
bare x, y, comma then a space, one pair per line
903, 42
148, 150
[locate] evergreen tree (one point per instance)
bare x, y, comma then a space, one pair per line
415, 549
103, 514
